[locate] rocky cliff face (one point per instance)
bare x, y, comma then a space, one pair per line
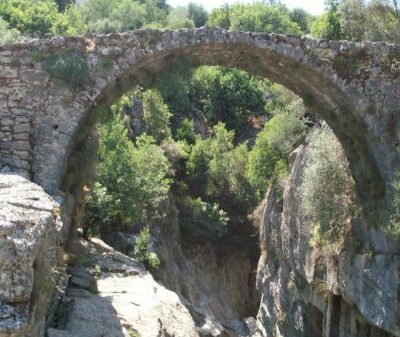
216, 280
310, 292
30, 230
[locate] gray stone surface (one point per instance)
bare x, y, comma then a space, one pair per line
28, 218
125, 302
310, 292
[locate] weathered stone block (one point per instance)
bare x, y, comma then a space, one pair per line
25, 127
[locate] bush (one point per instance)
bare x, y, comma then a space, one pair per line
269, 158
8, 35
156, 115
142, 249
179, 18
130, 184
39, 17
70, 67
31, 17
257, 17
216, 170
110, 16
197, 14
185, 131
226, 95
328, 24
327, 190
69, 23
173, 85
199, 219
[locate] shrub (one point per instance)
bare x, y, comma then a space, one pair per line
70, 67
327, 190
173, 85
131, 182
39, 17
257, 17
156, 115
69, 23
178, 17
142, 249
185, 131
226, 95
217, 171
268, 160
199, 219
8, 35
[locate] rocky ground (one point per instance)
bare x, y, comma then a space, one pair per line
112, 295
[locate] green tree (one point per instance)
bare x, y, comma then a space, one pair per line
199, 219
262, 18
328, 24
257, 17
64, 4
186, 131
220, 17
269, 158
69, 23
30, 17
173, 85
227, 95
178, 17
156, 115
216, 170
39, 17
130, 183
197, 14
107, 16
376, 20
302, 18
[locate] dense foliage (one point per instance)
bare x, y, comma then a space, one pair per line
257, 17
130, 182
269, 158
156, 116
39, 17
327, 189
376, 20
8, 35
343, 19
228, 95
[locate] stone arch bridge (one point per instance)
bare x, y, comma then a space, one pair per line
355, 87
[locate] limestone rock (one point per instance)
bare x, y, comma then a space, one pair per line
125, 302
27, 215
306, 293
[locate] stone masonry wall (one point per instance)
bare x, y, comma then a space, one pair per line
353, 86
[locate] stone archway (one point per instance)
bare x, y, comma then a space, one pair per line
353, 86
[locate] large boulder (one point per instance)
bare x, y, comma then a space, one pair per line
28, 217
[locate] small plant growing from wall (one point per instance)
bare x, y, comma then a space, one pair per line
69, 66
142, 249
